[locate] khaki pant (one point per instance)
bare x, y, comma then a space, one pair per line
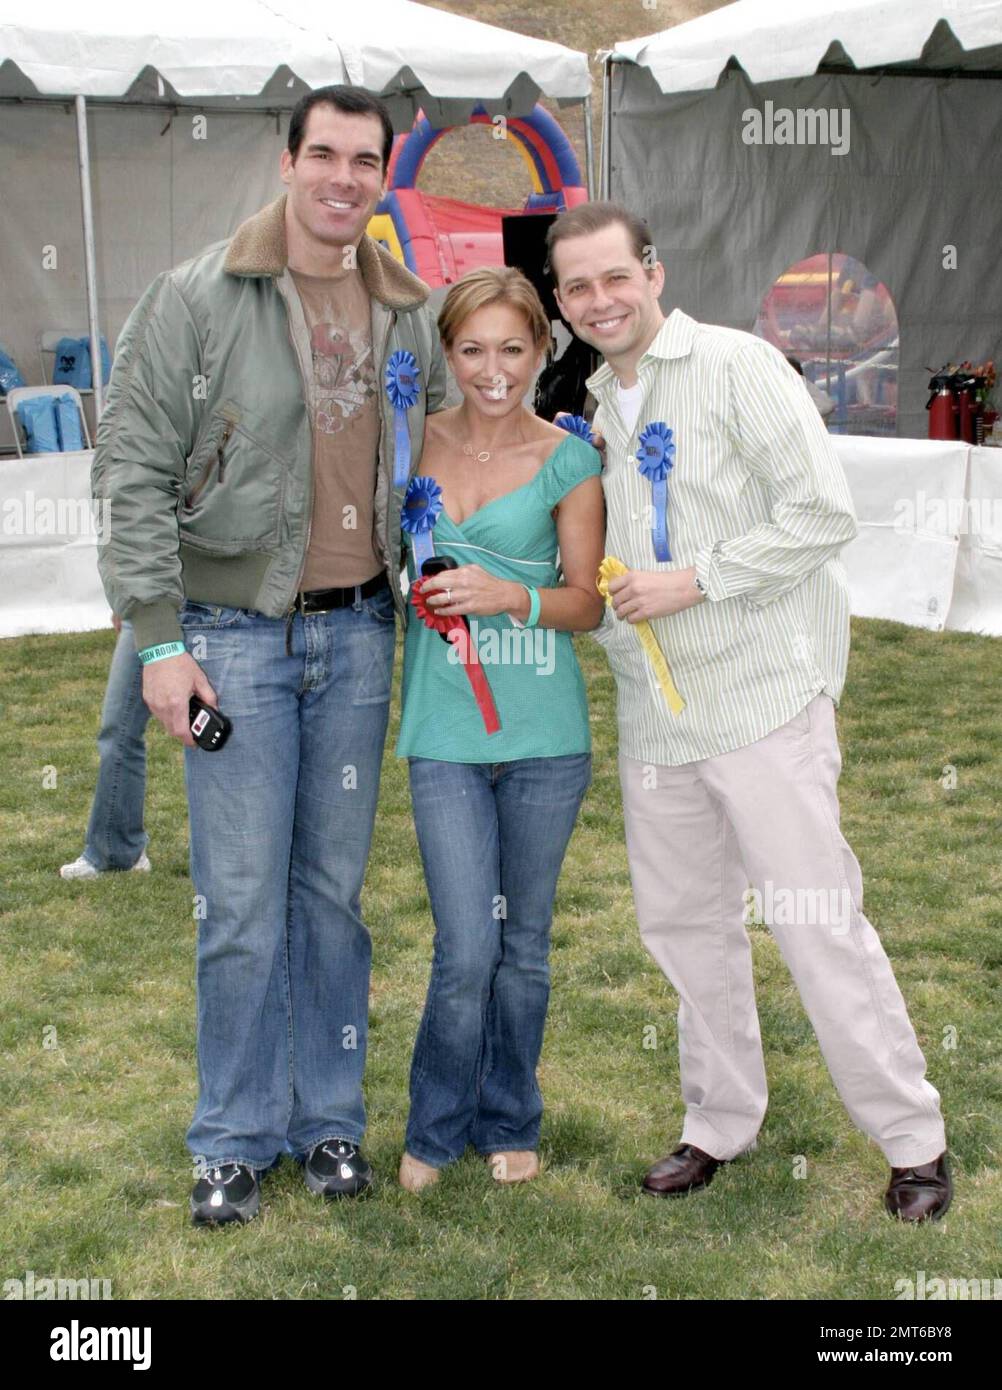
767, 816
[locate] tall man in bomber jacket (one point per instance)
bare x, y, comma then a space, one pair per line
247, 454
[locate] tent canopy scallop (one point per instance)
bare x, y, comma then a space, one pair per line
232, 50
772, 40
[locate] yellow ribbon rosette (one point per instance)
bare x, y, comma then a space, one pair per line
611, 568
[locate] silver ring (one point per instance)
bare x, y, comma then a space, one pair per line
448, 595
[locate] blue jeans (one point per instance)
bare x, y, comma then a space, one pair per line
115, 835
492, 839
281, 819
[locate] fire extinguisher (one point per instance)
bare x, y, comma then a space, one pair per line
942, 407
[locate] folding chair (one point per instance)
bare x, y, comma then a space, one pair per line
23, 393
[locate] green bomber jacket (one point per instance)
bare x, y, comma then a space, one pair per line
204, 455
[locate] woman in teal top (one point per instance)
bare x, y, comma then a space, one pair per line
496, 782
533, 673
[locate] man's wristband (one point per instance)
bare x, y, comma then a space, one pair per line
158, 653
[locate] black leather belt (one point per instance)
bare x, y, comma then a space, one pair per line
323, 600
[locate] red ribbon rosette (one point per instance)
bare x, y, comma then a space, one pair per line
455, 631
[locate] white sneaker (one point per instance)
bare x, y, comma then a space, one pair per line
83, 868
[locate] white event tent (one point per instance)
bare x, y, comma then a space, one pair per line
919, 81
130, 139
913, 195
109, 88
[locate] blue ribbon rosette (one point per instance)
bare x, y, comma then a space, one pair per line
422, 508
403, 389
655, 458
576, 424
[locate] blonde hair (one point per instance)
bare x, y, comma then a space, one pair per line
493, 284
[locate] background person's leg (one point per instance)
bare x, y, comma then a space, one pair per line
115, 835
538, 800
457, 828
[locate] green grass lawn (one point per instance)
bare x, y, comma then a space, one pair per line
95, 1176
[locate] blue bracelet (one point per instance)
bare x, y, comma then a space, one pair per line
158, 653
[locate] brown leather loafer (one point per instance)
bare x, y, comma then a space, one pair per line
686, 1170
922, 1193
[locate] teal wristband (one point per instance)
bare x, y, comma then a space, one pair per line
533, 617
158, 653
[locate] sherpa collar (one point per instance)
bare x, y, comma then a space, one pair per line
258, 247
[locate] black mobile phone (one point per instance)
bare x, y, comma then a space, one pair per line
209, 727
438, 564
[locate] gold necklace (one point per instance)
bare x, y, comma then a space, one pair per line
484, 455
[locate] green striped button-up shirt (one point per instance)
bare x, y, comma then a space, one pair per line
759, 504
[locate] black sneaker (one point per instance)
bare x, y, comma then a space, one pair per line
229, 1193
336, 1168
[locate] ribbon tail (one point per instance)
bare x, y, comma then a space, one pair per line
460, 639
424, 548
401, 447
610, 568
661, 668
659, 533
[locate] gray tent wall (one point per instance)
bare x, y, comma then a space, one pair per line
923, 172
160, 195
168, 177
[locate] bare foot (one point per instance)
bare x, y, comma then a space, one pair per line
415, 1175
514, 1165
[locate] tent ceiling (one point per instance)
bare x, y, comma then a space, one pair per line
266, 53
772, 40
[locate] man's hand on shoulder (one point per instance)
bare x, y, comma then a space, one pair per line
597, 440
644, 594
168, 685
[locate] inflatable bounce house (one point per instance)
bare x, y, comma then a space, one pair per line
440, 239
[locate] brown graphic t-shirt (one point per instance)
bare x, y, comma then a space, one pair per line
345, 430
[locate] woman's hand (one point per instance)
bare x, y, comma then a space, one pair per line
474, 592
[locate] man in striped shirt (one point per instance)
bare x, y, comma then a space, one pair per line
730, 805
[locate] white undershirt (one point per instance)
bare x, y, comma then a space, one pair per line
630, 399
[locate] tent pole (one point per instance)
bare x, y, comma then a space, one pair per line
589, 149
604, 174
90, 265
